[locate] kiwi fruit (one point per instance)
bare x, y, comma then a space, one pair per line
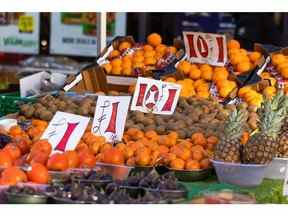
161, 129
46, 115
147, 121
29, 112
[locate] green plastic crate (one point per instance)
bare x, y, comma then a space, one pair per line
9, 102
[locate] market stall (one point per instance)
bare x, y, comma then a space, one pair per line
198, 121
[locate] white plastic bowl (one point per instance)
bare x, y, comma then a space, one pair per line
8, 123
245, 175
277, 169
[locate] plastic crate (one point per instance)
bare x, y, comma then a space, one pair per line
9, 102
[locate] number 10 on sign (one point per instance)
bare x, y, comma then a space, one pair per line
155, 96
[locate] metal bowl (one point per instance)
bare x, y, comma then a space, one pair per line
13, 198
195, 175
180, 193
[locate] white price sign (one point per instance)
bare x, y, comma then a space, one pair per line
155, 96
65, 131
110, 117
205, 48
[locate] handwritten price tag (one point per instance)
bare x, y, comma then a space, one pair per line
155, 96
26, 24
206, 48
110, 117
65, 131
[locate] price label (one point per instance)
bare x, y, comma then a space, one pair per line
206, 48
155, 96
65, 131
110, 117
26, 24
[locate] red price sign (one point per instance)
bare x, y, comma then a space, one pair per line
65, 131
206, 48
155, 96
110, 117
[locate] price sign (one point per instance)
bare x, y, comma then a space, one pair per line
206, 48
65, 131
110, 117
155, 96
26, 24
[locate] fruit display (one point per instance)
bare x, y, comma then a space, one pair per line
129, 59
262, 146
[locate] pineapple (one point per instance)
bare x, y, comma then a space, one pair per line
282, 150
262, 147
229, 147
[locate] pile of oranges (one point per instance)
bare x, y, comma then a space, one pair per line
241, 60
146, 55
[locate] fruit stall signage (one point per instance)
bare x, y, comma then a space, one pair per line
65, 131
155, 96
205, 48
110, 117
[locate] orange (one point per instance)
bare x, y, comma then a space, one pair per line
245, 137
203, 88
220, 73
113, 156
128, 153
138, 65
121, 147
171, 49
236, 59
43, 146
154, 39
254, 56
197, 155
131, 162
184, 153
105, 147
116, 70
243, 52
86, 160
199, 82
107, 67
150, 53
152, 135
192, 165
114, 54
278, 59
284, 73
148, 47
213, 140
184, 66
138, 53
163, 149
15, 130
170, 79
224, 92
165, 140
233, 44
203, 94
150, 61
124, 45
12, 150
13, 175
72, 158
205, 163
117, 62
161, 48
58, 162
173, 135
177, 164
142, 158
39, 123
198, 139
5, 159
126, 64
38, 174
186, 144
127, 58
243, 67
38, 157
269, 91
195, 74
281, 66
205, 67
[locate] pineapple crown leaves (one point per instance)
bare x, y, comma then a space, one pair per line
234, 125
272, 114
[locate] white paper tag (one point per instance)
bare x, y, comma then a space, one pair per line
65, 131
73, 83
32, 83
205, 48
155, 96
110, 117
